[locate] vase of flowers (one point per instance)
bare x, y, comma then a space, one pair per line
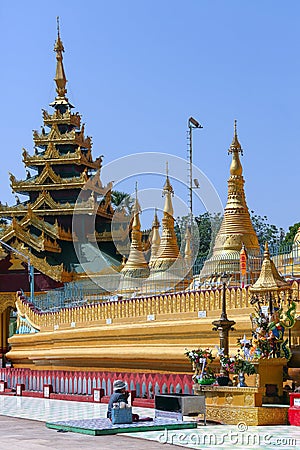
201, 359
237, 365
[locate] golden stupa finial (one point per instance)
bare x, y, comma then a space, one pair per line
235, 148
266, 252
155, 223
60, 77
235, 144
57, 23
136, 224
167, 187
168, 192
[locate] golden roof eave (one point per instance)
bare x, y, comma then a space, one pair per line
44, 199
68, 158
39, 243
57, 273
71, 137
38, 183
57, 117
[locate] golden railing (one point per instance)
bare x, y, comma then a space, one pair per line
140, 307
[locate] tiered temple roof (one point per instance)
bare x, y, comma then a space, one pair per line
66, 183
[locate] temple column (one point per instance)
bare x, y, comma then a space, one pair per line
1, 333
5, 334
4, 331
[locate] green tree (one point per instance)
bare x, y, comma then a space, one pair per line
207, 224
266, 232
118, 198
290, 235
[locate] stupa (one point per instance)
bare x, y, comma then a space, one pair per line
236, 229
136, 267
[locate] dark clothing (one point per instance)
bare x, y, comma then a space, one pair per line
116, 397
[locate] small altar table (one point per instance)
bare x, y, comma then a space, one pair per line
233, 405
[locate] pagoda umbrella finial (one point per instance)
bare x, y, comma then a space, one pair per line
60, 77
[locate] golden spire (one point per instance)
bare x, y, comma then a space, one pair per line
235, 149
168, 250
136, 224
136, 264
269, 279
168, 192
60, 77
154, 239
236, 228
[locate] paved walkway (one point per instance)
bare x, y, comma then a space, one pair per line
22, 434
22, 427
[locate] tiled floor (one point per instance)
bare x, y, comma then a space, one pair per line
209, 437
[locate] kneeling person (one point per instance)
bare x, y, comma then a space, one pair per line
119, 395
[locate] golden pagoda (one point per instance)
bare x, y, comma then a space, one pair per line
66, 184
136, 267
168, 251
236, 229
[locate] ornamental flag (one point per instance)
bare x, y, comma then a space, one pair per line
243, 265
243, 261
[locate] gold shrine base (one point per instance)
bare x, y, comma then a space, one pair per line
234, 405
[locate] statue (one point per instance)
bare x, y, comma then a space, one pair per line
268, 332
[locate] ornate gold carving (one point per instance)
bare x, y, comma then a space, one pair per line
228, 399
16, 264
7, 300
248, 400
251, 416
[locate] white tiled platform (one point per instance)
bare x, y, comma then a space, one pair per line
209, 437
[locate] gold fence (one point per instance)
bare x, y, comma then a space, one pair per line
177, 303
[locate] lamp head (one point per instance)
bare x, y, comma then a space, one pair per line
194, 122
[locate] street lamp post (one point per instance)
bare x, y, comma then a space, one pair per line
192, 124
30, 267
224, 325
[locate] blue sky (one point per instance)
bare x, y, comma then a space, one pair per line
138, 69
